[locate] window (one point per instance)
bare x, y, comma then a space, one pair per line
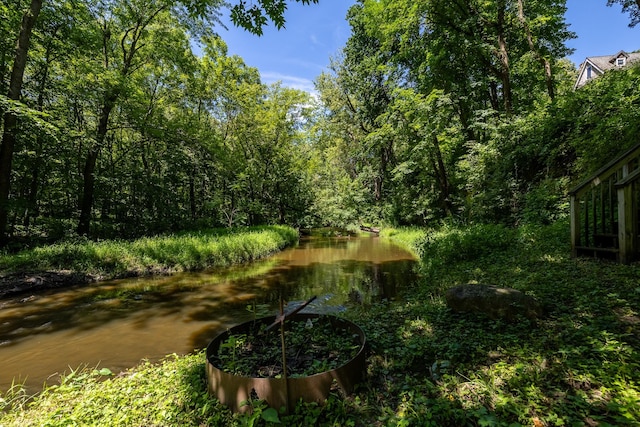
620, 62
588, 72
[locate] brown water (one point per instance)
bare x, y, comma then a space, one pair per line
117, 324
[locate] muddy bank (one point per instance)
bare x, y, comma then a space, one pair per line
15, 284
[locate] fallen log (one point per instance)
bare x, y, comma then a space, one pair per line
370, 229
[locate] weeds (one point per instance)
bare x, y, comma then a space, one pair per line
579, 365
161, 254
312, 346
15, 398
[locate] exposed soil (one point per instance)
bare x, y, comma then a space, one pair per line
15, 284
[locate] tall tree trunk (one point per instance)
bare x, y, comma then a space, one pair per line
128, 53
86, 203
32, 199
10, 120
88, 173
386, 157
3, 70
32, 202
493, 95
464, 115
546, 65
442, 177
503, 53
192, 195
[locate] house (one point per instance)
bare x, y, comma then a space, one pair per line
595, 66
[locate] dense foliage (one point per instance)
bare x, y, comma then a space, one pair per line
126, 118
133, 120
463, 109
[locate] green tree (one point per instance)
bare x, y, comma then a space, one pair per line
363, 90
122, 35
433, 139
265, 176
429, 83
10, 119
341, 196
255, 15
629, 6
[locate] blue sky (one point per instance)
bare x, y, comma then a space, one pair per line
297, 54
601, 30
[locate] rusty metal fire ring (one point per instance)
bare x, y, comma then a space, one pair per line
232, 390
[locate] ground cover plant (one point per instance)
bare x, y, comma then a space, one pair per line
313, 345
188, 251
578, 365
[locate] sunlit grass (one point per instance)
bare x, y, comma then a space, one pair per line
172, 392
577, 365
160, 254
409, 238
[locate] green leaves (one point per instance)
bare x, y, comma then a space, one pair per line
629, 6
270, 415
105, 372
255, 15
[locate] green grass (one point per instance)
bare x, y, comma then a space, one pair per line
579, 365
160, 254
409, 238
172, 392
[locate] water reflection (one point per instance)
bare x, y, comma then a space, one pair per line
117, 324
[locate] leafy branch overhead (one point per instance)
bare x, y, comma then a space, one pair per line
253, 16
629, 6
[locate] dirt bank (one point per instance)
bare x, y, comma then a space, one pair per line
15, 284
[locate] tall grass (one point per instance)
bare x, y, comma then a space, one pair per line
172, 253
410, 238
170, 393
448, 244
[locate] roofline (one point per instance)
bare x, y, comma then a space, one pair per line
593, 65
630, 56
583, 66
617, 55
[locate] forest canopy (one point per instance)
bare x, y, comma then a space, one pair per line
114, 126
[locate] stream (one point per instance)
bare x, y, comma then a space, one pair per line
117, 324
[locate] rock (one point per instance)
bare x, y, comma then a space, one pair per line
494, 301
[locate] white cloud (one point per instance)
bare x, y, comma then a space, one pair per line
294, 82
315, 41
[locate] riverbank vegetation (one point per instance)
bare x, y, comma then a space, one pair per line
577, 365
186, 251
